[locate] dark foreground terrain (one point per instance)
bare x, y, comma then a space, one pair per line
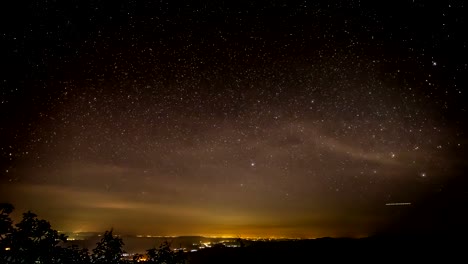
369, 250
33, 240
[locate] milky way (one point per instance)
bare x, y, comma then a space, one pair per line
266, 120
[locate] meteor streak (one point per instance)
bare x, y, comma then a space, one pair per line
396, 204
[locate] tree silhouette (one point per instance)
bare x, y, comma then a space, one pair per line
75, 255
164, 255
34, 241
6, 228
137, 258
108, 250
6, 225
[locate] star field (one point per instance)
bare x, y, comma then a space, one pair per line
271, 120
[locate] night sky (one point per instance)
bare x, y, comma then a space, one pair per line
283, 119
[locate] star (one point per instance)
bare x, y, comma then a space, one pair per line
231, 109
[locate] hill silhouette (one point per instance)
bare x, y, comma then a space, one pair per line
33, 240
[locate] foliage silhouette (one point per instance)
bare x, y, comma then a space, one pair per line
75, 255
6, 225
108, 250
164, 255
137, 258
6, 228
33, 241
